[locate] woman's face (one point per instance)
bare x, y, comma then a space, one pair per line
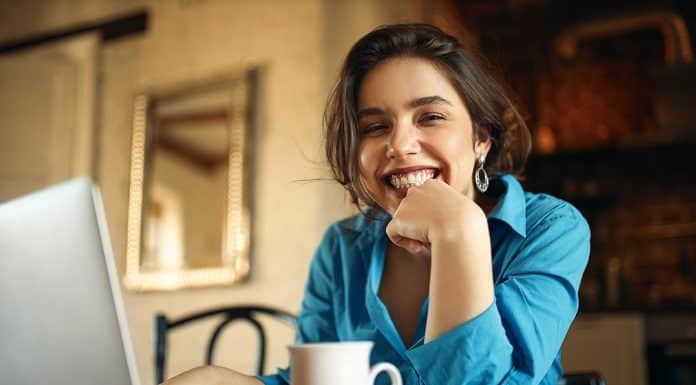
413, 127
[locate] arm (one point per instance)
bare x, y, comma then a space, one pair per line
456, 229
516, 339
460, 263
316, 321
212, 375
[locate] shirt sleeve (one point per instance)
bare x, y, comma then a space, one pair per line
516, 340
316, 321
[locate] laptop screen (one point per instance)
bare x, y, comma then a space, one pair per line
62, 319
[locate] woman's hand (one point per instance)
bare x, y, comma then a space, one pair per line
435, 212
436, 220
212, 375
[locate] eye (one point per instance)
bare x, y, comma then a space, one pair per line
430, 117
373, 129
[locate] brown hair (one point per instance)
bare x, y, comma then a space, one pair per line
492, 113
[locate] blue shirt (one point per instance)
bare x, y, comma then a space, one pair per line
540, 247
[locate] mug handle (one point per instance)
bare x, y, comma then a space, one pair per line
391, 370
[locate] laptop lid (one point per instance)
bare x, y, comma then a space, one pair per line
62, 319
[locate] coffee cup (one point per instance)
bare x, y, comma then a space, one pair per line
337, 363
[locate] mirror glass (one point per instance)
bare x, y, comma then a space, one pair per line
189, 209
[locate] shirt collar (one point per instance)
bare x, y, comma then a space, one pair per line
367, 225
511, 206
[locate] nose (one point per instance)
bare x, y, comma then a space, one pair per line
403, 141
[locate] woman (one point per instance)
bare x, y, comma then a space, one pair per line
454, 272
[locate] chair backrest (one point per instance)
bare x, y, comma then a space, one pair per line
229, 314
582, 378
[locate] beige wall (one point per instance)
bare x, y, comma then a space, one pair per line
299, 45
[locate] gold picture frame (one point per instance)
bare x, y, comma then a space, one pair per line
237, 117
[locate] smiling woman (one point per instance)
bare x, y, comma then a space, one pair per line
454, 265
456, 278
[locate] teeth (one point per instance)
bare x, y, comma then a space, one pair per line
411, 179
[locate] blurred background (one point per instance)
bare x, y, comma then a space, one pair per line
608, 89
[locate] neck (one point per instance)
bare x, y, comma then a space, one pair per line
485, 202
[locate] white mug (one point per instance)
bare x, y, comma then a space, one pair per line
336, 363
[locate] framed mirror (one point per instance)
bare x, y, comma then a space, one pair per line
189, 205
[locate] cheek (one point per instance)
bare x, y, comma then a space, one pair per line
367, 161
367, 164
363, 162
456, 147
458, 150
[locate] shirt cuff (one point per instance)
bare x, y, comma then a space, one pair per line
478, 351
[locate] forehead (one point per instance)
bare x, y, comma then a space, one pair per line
399, 80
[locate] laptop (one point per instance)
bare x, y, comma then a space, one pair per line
62, 319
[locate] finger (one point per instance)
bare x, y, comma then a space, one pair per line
396, 232
411, 245
392, 231
403, 226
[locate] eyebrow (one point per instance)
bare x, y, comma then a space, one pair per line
435, 99
425, 100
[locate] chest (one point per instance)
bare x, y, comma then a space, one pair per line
403, 289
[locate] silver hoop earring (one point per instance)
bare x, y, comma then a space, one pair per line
480, 176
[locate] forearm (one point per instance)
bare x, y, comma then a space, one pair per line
230, 377
461, 283
212, 375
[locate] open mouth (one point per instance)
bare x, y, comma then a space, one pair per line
401, 182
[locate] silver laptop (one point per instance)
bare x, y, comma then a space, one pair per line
62, 319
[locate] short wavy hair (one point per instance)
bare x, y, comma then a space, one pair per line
492, 113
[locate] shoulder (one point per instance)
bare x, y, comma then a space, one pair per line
556, 243
558, 236
352, 235
528, 213
543, 210
356, 227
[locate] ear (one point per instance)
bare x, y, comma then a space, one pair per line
482, 144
